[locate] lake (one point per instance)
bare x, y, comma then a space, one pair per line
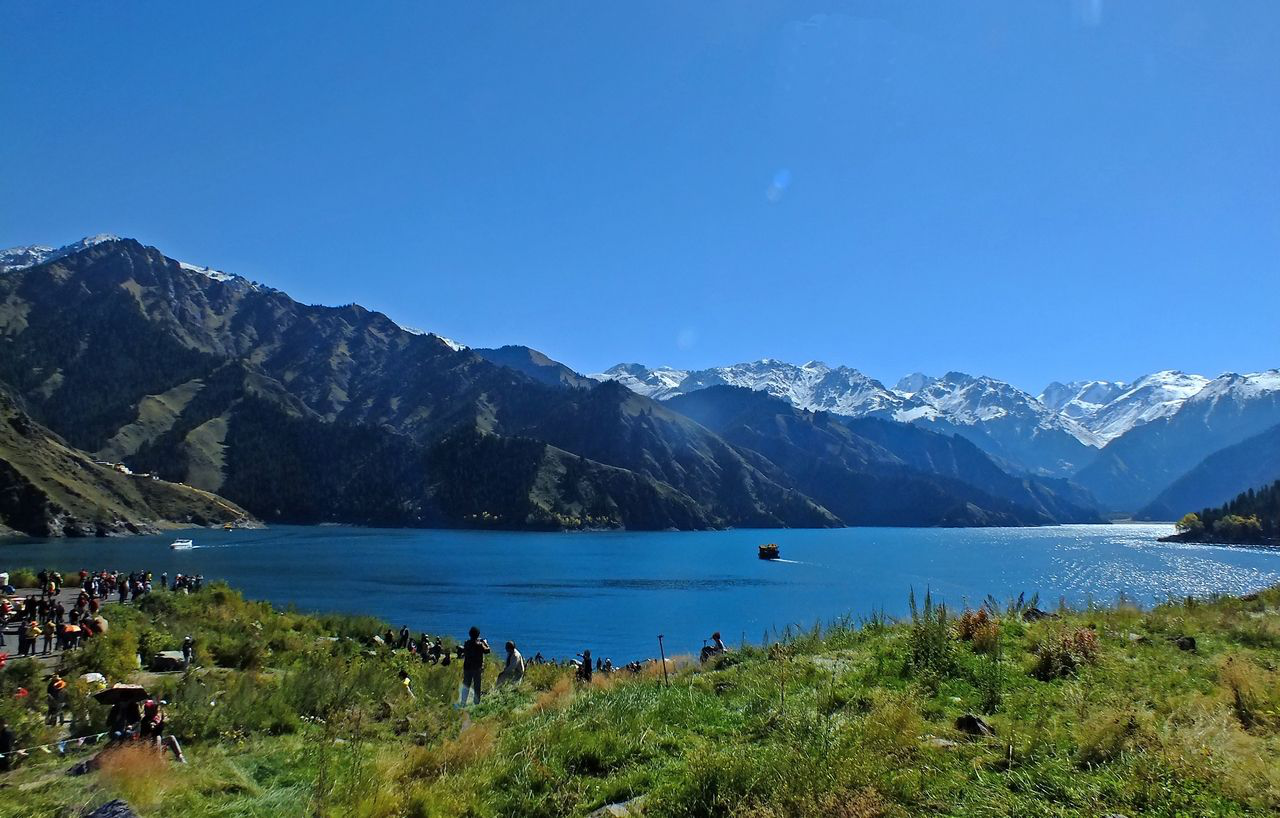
614, 592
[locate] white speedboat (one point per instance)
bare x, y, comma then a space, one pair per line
182, 545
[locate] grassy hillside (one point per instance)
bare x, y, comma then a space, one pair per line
1093, 711
48, 488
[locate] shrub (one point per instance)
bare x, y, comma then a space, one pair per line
114, 654
140, 773
970, 622
986, 639
24, 578
24, 673
930, 637
1190, 524
989, 679
243, 651
1064, 652
1235, 527
24, 719
1109, 734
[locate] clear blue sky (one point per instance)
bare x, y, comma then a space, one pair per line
1032, 190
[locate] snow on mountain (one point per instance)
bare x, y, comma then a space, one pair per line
216, 275
1149, 398
1108, 409
957, 398
449, 342
1093, 412
968, 400
659, 384
1080, 398
998, 417
913, 383
17, 258
1233, 387
813, 386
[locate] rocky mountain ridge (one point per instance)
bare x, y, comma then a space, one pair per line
310, 413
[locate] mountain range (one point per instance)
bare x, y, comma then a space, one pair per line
306, 413
1126, 443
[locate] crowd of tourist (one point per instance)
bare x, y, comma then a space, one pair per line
472, 654
46, 620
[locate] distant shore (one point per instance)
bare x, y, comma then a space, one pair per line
1202, 539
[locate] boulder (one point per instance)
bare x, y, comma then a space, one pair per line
113, 809
625, 809
1185, 642
973, 725
167, 660
1035, 615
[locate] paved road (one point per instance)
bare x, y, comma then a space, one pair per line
68, 597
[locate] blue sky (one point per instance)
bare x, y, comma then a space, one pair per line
1031, 190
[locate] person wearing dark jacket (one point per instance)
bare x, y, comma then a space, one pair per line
473, 653
7, 740
57, 699
584, 669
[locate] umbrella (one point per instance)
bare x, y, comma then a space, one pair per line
121, 693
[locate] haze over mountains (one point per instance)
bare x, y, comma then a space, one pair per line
309, 414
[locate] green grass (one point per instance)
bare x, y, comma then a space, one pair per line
1095, 711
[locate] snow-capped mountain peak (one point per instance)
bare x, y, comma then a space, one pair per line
1079, 399
17, 258
659, 384
913, 383
1237, 387
813, 385
967, 400
1149, 398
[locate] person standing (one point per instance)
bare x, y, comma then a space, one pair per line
33, 633
473, 653
188, 647
513, 672
584, 670
57, 699
50, 631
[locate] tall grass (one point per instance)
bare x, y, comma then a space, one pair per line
1088, 721
139, 773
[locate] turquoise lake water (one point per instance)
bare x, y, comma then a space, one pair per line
614, 592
